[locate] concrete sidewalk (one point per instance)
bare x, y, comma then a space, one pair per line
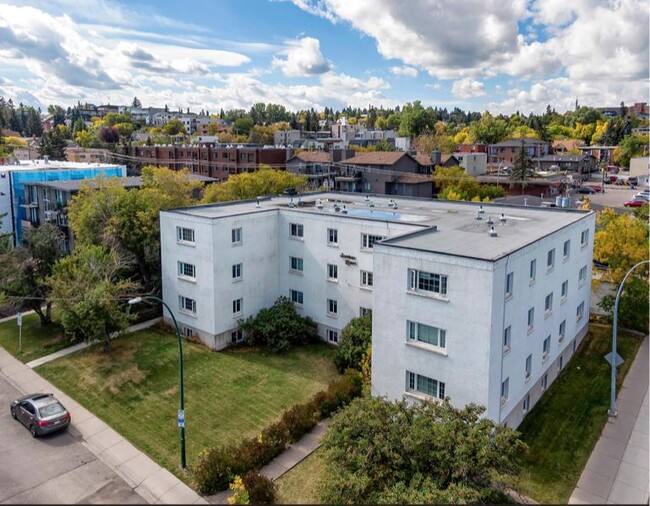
617, 471
289, 458
152, 482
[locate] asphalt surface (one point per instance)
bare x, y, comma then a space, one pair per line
52, 469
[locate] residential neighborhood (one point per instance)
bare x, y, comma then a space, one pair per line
328, 264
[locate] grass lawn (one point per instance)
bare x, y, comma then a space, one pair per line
300, 484
37, 341
563, 427
228, 394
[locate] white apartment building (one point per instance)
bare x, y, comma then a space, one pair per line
479, 302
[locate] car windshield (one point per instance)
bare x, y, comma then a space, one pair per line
51, 409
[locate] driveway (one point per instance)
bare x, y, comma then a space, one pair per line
54, 469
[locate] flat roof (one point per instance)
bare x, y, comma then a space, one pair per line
440, 226
54, 165
127, 182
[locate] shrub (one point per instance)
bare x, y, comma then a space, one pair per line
279, 327
215, 469
260, 489
240, 494
355, 339
299, 420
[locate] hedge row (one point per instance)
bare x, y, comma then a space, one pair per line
217, 467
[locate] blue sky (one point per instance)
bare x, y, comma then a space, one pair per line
496, 55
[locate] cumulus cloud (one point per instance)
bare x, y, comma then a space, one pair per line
303, 58
468, 88
404, 70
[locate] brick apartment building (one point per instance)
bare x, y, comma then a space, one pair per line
212, 160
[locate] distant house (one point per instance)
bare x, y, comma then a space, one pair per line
581, 164
506, 152
87, 155
385, 172
566, 146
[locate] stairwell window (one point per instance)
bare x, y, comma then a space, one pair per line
566, 250
582, 276
507, 338
526, 404
237, 306
427, 282
533, 271
580, 311
546, 348
550, 260
237, 272
185, 235
424, 385
531, 319
529, 366
564, 292
562, 331
434, 336
548, 305
584, 238
510, 282
505, 387
186, 305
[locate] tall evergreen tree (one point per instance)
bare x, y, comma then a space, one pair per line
522, 169
53, 145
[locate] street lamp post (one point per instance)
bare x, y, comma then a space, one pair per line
614, 357
181, 407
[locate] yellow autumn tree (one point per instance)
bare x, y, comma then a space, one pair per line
621, 241
265, 181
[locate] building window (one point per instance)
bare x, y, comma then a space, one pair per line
580, 311
546, 348
363, 311
544, 382
185, 235
564, 292
560, 364
562, 331
186, 270
296, 264
332, 307
332, 272
424, 385
529, 366
366, 279
296, 231
368, 241
526, 404
237, 272
507, 337
420, 281
584, 238
332, 236
237, 336
548, 304
566, 250
187, 331
236, 235
510, 280
296, 297
582, 276
426, 334
575, 345
505, 386
550, 259
186, 305
332, 336
531, 318
533, 270
237, 306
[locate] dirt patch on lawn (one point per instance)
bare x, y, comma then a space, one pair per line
130, 375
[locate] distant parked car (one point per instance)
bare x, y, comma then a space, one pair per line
636, 203
586, 190
643, 194
40, 413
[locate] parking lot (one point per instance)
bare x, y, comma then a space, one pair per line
614, 195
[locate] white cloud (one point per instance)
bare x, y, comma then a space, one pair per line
404, 70
467, 88
303, 58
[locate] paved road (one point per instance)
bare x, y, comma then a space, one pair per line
55, 469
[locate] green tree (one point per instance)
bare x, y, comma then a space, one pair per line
58, 115
173, 127
33, 126
24, 270
53, 145
243, 126
249, 185
522, 169
90, 291
136, 103
454, 184
279, 327
376, 450
355, 338
630, 147
489, 130
383, 145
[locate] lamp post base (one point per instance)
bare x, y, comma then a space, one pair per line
612, 414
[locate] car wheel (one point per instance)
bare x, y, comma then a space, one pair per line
32, 429
13, 414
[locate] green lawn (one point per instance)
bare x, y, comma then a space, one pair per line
300, 484
228, 394
37, 341
563, 427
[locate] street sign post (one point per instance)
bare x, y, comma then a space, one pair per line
19, 321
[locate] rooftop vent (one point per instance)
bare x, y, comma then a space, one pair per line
489, 221
480, 209
493, 233
503, 218
478, 215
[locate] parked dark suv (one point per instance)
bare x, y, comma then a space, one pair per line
40, 413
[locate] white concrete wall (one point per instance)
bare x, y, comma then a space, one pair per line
466, 317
